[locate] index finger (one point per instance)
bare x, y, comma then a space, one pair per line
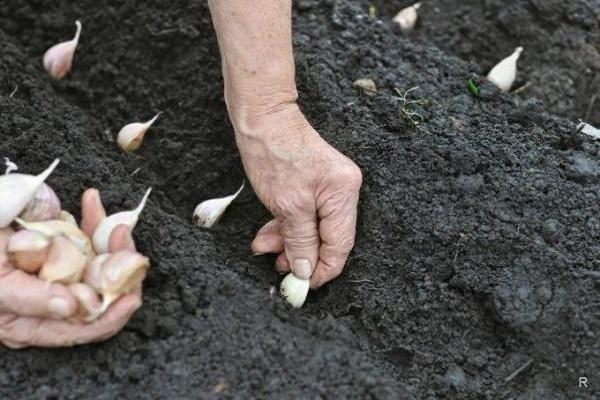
92, 211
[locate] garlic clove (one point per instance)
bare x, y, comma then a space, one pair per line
58, 59
589, 130
65, 262
367, 85
66, 216
121, 273
88, 300
504, 73
294, 290
27, 250
130, 218
130, 137
92, 275
209, 212
10, 166
55, 227
17, 190
407, 17
44, 206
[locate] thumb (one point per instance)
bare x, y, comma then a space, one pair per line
301, 242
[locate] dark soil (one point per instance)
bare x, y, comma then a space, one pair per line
479, 230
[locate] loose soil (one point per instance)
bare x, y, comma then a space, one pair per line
475, 273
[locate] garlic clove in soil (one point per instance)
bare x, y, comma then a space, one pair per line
367, 85
504, 73
407, 17
121, 273
27, 250
65, 262
55, 227
58, 59
17, 190
92, 275
44, 206
106, 226
589, 130
130, 137
88, 301
294, 289
209, 212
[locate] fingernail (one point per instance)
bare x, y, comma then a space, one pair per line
96, 195
59, 307
301, 268
258, 254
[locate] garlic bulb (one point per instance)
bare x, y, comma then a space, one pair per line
58, 59
27, 250
121, 273
407, 17
17, 190
66, 216
367, 85
92, 275
55, 227
130, 137
44, 206
65, 262
88, 301
209, 212
294, 290
504, 73
106, 226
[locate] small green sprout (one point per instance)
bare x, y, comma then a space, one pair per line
473, 87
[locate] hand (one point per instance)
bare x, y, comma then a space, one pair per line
310, 188
33, 312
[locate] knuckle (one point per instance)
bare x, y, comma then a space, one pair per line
351, 175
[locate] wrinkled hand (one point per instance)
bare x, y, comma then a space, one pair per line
33, 312
310, 188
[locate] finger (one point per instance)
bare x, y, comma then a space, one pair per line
270, 227
120, 239
268, 243
92, 211
301, 243
281, 264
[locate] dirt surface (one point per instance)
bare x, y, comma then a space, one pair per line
475, 273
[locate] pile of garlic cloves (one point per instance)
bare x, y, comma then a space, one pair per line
48, 243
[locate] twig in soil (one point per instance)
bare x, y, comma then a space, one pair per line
518, 370
13, 92
590, 106
360, 281
460, 238
138, 169
522, 88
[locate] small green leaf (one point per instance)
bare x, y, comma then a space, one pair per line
473, 87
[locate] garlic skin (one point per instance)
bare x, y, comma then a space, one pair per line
504, 73
58, 59
106, 226
92, 275
88, 301
209, 212
407, 17
294, 290
67, 217
44, 206
27, 250
17, 190
589, 130
367, 85
130, 137
121, 273
55, 227
65, 262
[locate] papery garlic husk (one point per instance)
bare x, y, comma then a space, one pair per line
209, 212
88, 300
121, 273
58, 59
44, 206
27, 250
130, 218
66, 216
367, 85
92, 275
589, 130
504, 73
65, 262
407, 17
130, 137
56, 227
294, 290
17, 190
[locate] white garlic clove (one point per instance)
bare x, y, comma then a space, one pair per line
55, 227
105, 227
10, 166
504, 73
27, 250
58, 59
88, 300
65, 262
589, 130
407, 17
367, 85
66, 216
294, 290
209, 212
130, 137
92, 275
44, 206
121, 273
17, 190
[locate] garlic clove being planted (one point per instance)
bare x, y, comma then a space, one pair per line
44, 206
88, 300
58, 59
121, 273
504, 73
56, 227
407, 17
65, 262
294, 290
106, 226
92, 275
17, 190
27, 250
209, 212
130, 137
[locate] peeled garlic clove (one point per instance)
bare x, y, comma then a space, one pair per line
504, 73
407, 17
130, 137
27, 250
88, 301
367, 85
106, 226
65, 262
58, 59
44, 206
121, 273
56, 227
17, 190
92, 275
67, 217
294, 290
209, 212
